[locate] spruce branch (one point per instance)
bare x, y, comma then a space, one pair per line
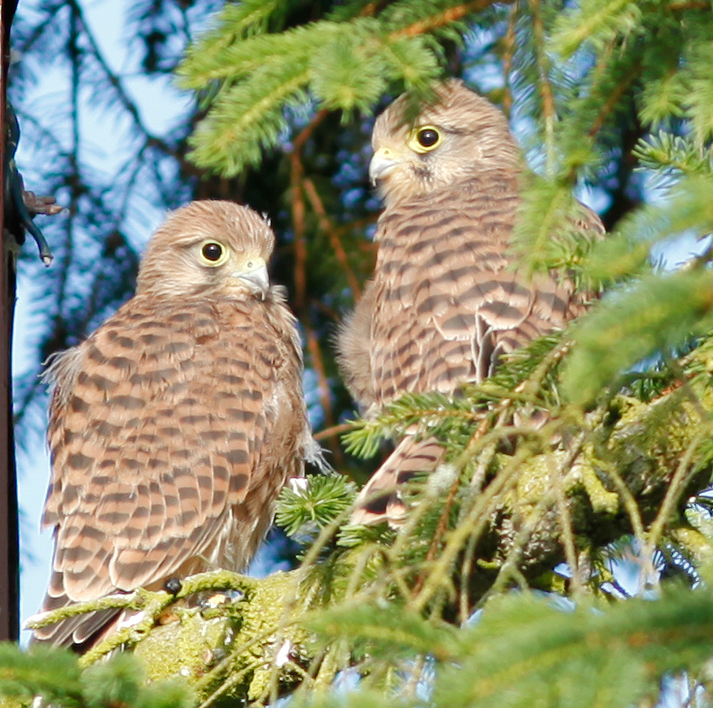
549, 111
565, 524
116, 83
628, 500
660, 312
595, 22
54, 676
154, 603
444, 18
385, 630
450, 499
613, 101
684, 470
542, 215
214, 580
672, 155
627, 647
323, 500
52, 673
342, 65
249, 118
132, 601
473, 523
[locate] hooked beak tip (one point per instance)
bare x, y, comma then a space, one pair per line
258, 281
381, 165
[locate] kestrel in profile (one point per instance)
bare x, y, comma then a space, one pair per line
175, 425
447, 299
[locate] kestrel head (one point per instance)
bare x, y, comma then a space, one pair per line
457, 137
213, 248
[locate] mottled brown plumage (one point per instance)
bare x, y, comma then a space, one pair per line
446, 301
354, 350
174, 426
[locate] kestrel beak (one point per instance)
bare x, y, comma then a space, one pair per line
383, 163
257, 280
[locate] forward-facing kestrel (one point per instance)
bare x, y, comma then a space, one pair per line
175, 425
446, 300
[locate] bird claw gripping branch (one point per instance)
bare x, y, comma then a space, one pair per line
22, 206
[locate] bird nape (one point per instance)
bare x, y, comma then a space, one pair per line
175, 425
447, 299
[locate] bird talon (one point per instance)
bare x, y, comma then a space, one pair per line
26, 204
42, 245
173, 586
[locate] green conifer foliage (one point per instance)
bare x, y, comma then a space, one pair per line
459, 605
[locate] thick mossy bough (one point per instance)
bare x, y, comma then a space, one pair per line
223, 634
235, 645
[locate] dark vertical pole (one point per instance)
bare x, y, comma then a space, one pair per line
9, 545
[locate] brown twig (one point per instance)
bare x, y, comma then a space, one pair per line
477, 518
369, 10
438, 535
368, 247
306, 132
441, 19
298, 209
613, 100
508, 53
567, 533
297, 184
683, 471
326, 310
627, 498
548, 99
325, 223
298, 225
318, 366
333, 430
538, 31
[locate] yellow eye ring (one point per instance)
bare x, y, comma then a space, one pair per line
425, 138
213, 253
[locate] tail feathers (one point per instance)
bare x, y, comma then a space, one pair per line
379, 500
79, 632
